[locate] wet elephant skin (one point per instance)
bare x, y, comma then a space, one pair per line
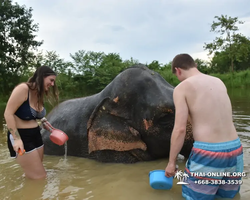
130, 120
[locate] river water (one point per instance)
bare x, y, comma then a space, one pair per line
78, 178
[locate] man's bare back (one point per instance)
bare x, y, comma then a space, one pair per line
209, 109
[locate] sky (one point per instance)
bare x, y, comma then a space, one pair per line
145, 30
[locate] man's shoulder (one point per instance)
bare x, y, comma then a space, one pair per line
183, 85
181, 88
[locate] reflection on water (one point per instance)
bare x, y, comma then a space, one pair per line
78, 178
242, 123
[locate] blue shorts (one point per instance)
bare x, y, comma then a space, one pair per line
31, 138
212, 170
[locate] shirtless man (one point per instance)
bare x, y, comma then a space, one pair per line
203, 100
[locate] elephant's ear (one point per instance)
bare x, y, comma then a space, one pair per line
109, 129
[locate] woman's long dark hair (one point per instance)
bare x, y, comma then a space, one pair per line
36, 82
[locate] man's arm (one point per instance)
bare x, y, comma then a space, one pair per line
179, 131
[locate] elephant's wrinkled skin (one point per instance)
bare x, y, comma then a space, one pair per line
130, 120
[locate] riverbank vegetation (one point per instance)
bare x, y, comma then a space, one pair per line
88, 72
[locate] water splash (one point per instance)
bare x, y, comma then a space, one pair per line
66, 150
63, 162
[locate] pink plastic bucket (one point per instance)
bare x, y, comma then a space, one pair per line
58, 137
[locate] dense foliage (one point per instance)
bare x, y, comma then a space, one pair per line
17, 42
230, 48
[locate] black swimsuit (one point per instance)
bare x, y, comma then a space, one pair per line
31, 137
25, 112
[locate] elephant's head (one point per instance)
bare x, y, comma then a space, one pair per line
136, 113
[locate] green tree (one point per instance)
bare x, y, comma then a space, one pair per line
130, 62
87, 61
110, 67
242, 59
155, 65
167, 74
17, 42
53, 60
220, 62
226, 27
202, 65
86, 65
95, 70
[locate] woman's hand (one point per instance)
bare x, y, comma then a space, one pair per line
18, 144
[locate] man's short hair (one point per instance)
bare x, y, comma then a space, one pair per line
183, 61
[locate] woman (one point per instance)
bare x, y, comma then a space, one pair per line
24, 106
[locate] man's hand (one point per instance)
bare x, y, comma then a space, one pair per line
170, 170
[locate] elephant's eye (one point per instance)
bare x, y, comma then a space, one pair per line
165, 120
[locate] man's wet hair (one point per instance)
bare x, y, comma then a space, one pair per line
183, 61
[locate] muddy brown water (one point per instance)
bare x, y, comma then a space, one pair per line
73, 178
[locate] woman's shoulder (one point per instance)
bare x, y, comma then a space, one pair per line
20, 92
22, 86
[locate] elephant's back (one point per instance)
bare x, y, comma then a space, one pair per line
73, 114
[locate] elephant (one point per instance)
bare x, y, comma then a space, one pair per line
130, 120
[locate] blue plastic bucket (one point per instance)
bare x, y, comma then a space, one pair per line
159, 181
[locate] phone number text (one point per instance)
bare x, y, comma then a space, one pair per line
219, 182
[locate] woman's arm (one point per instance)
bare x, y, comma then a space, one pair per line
18, 96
